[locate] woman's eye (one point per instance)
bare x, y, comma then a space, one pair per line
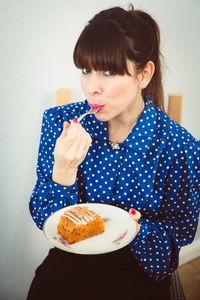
85, 71
109, 73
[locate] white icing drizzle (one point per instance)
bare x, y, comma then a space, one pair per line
72, 218
88, 216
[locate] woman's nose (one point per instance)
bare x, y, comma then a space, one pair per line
95, 86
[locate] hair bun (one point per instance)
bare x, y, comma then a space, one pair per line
131, 7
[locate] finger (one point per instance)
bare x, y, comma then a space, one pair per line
70, 137
85, 144
89, 143
65, 128
135, 214
65, 125
67, 136
81, 139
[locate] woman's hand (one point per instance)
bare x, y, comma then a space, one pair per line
70, 150
136, 215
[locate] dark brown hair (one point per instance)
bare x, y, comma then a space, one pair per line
115, 35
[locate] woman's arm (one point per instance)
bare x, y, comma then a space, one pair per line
159, 241
58, 160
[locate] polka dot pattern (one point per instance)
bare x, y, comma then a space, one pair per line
156, 170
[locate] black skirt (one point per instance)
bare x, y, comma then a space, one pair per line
114, 275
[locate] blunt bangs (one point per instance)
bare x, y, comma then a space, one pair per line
101, 48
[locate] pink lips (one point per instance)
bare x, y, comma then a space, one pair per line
94, 106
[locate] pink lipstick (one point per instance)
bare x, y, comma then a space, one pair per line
95, 106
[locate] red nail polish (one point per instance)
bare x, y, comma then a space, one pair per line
75, 120
133, 212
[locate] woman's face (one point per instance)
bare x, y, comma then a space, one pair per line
117, 93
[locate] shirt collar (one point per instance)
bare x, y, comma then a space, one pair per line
141, 135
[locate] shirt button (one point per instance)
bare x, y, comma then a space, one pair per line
73, 191
114, 146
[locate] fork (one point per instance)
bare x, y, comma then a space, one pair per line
91, 111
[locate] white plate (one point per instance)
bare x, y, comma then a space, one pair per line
120, 230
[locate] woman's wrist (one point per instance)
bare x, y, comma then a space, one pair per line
64, 177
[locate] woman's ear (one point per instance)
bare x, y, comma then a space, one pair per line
146, 74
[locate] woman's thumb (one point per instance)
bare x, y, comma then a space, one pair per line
135, 214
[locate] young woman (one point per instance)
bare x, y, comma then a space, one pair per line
129, 154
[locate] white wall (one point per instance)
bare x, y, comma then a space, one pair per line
37, 41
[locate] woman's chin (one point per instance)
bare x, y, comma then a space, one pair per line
101, 116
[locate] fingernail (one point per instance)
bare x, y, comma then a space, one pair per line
133, 212
75, 120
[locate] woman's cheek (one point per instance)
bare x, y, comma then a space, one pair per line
117, 96
117, 90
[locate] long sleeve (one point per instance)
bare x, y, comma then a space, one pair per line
48, 196
158, 244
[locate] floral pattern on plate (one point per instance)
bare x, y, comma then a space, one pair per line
120, 238
62, 241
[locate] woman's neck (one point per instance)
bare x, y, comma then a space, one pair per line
120, 126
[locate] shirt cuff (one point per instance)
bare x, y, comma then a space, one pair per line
142, 235
64, 191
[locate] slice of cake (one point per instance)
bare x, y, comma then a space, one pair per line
80, 223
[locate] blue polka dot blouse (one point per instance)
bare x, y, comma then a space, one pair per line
156, 170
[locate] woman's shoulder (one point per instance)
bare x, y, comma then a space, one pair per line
177, 137
54, 117
66, 112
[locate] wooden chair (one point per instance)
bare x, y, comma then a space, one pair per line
174, 111
63, 96
175, 104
